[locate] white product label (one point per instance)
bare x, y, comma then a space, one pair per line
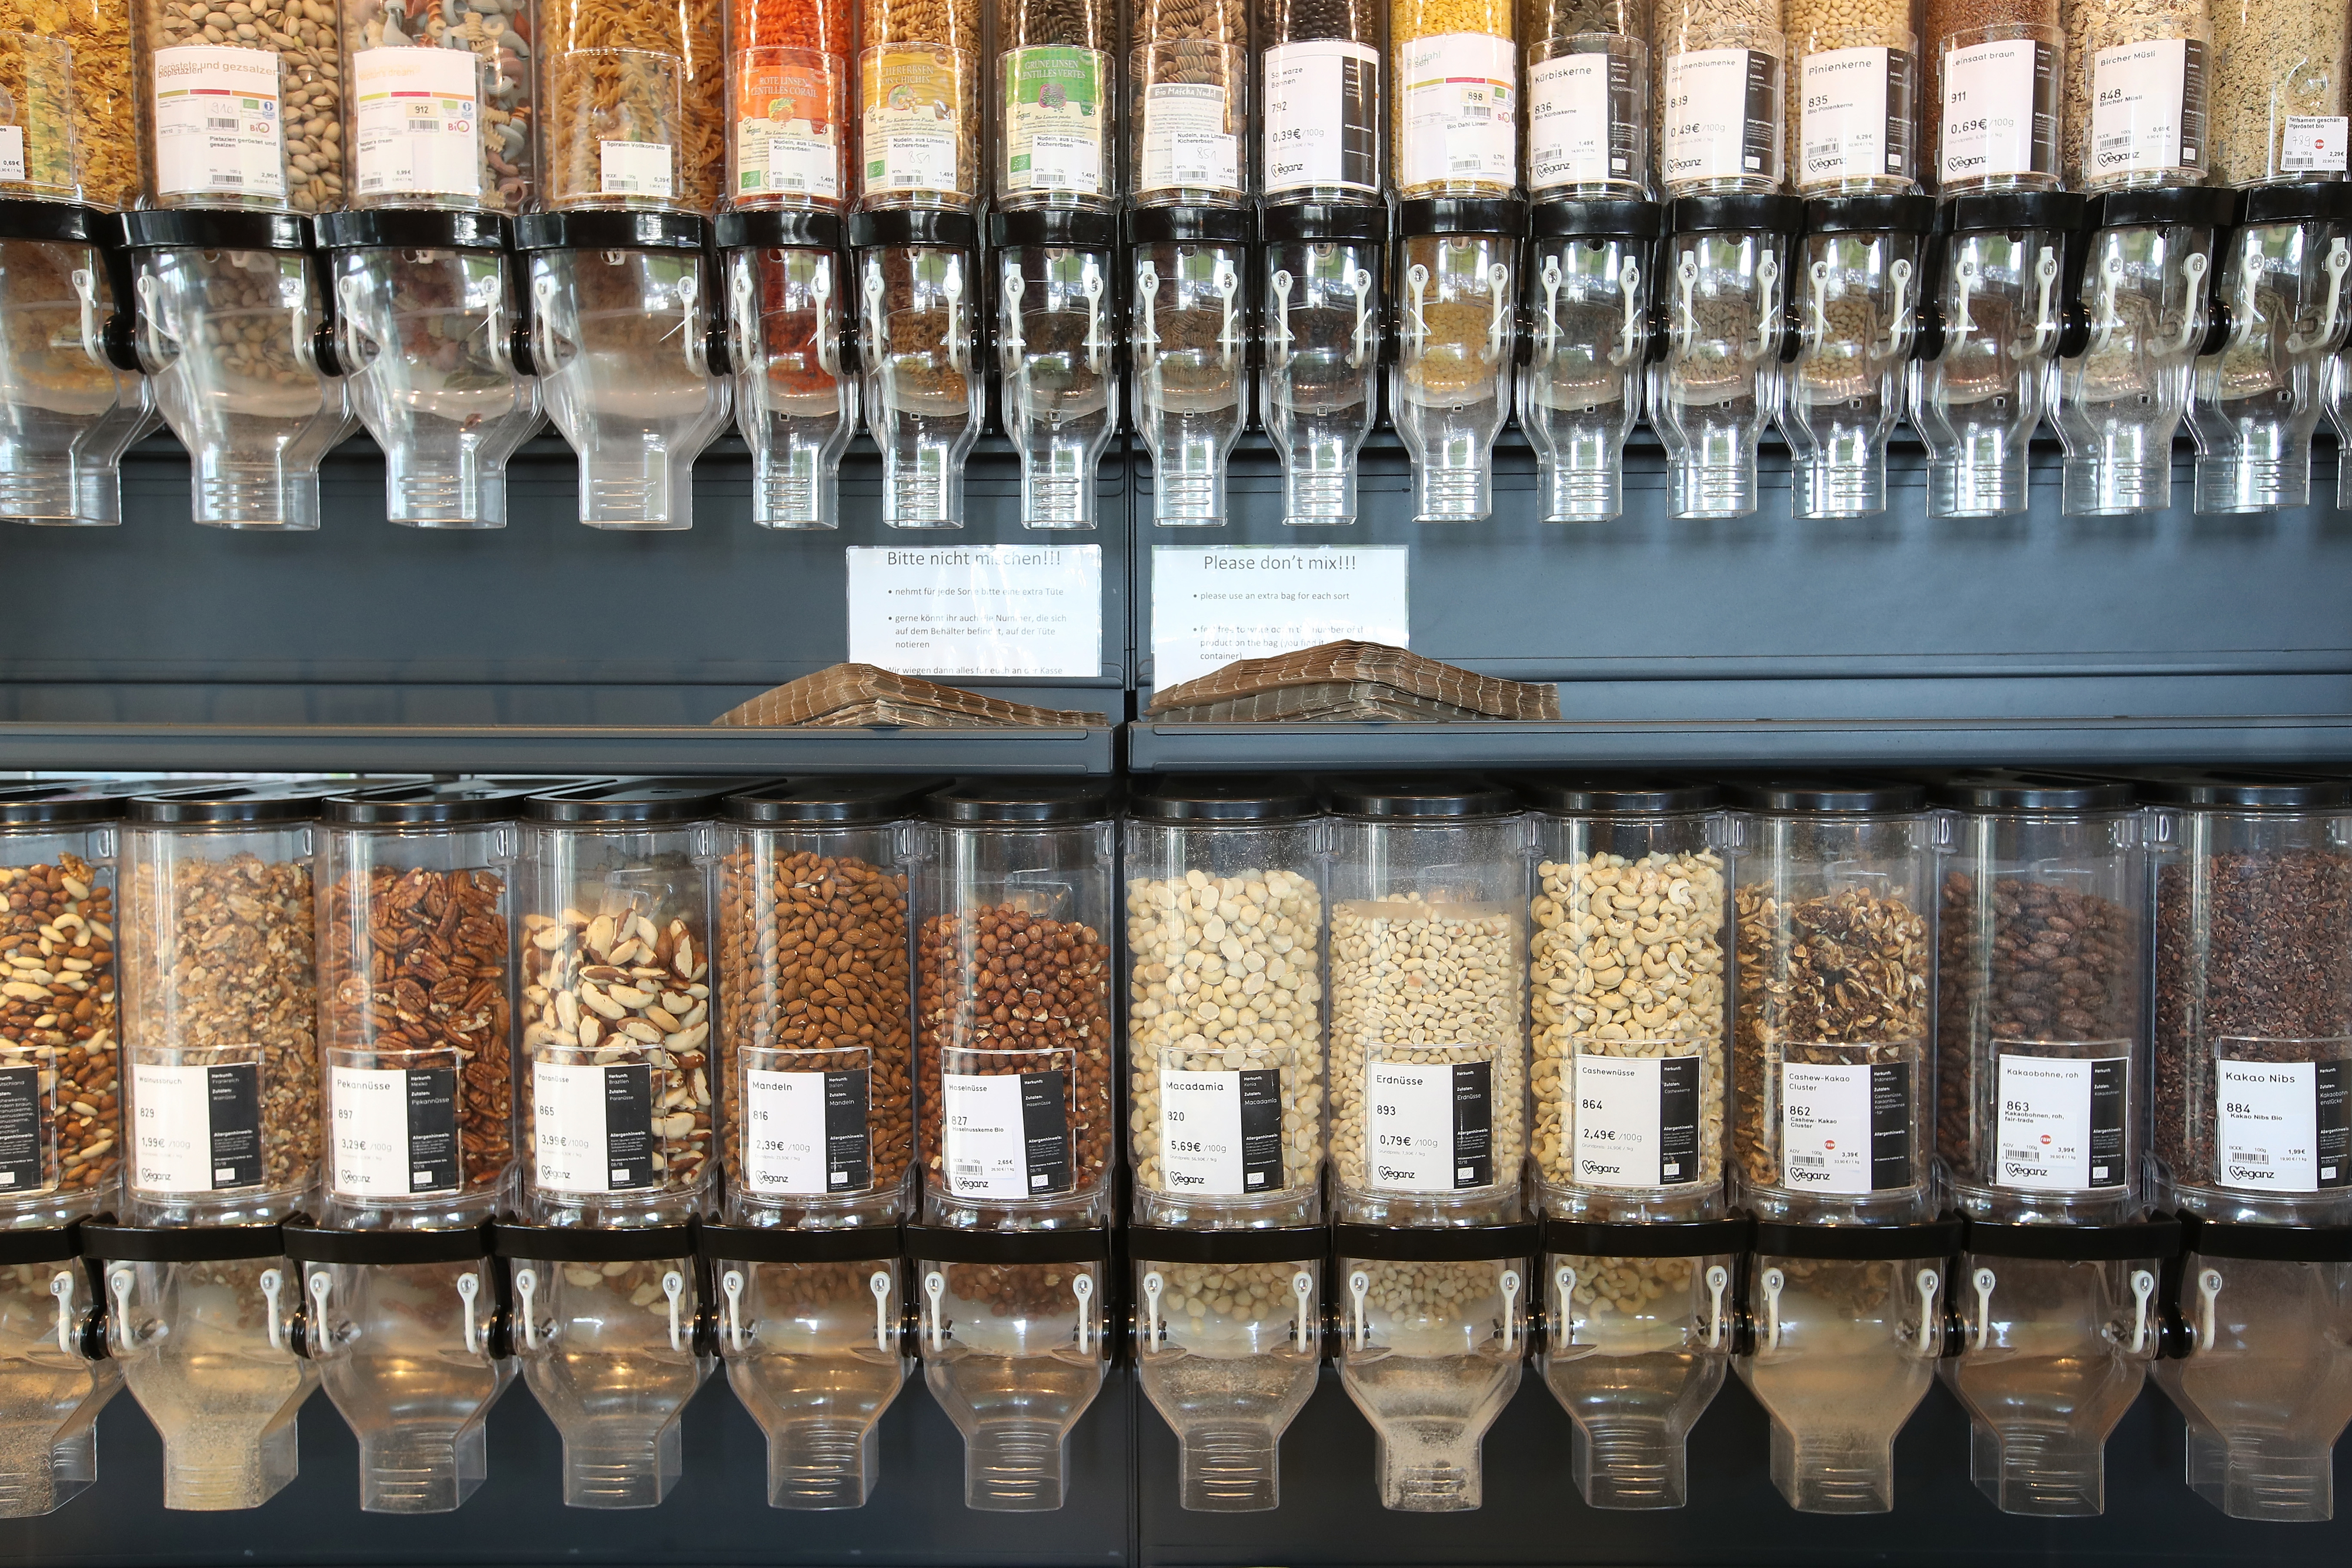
1432, 1125
2314, 144
1059, 161
198, 1128
592, 1127
804, 1134
1636, 1120
1213, 606
2061, 1124
216, 124
804, 165
394, 1131
12, 153
915, 158
1461, 119
1184, 139
634, 168
1843, 124
2142, 104
1722, 114
1569, 134
1007, 1134
420, 124
2281, 1126
1010, 610
1320, 99
1220, 1132
1989, 109
1845, 1129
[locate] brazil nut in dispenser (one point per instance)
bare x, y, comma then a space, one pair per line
1319, 380
1189, 332
1457, 311
1995, 267
2258, 398
918, 317
1717, 384
1056, 330
787, 280
1855, 289
1588, 291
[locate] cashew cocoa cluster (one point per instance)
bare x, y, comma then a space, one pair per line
58, 1016
308, 42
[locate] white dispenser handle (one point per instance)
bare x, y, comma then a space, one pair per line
1985, 1281
1683, 330
1091, 283
2194, 266
1278, 342
1718, 1280
2209, 1286
1302, 1287
2104, 324
1773, 1281
1563, 1281
1967, 273
1082, 1288
1550, 333
120, 1281
743, 313
2143, 1284
730, 1285
828, 341
879, 1282
272, 1282
2339, 256
1629, 335
1499, 319
2046, 309
1416, 331
673, 1287
935, 1286
1898, 332
952, 286
61, 1286
1147, 301
1152, 1285
547, 339
2242, 314
1819, 273
159, 336
469, 1287
1360, 1285
1930, 1345
1365, 331
526, 1283
1227, 281
1510, 1282
1014, 342
322, 1286
85, 288
1768, 314
877, 325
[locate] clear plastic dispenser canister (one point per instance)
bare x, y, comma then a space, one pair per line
1588, 291
67, 411
817, 1075
2041, 1117
1717, 384
2259, 397
1630, 1085
1855, 296
55, 1374
1996, 267
1831, 1089
1057, 313
621, 326
1318, 391
229, 312
1189, 329
788, 296
2139, 303
2336, 389
2253, 1030
919, 321
425, 335
1450, 387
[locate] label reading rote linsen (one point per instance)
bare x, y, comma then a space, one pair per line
198, 1128
395, 1131
2061, 1122
1723, 114
1432, 1125
1220, 1132
1636, 1120
592, 1127
2148, 107
1321, 99
1854, 122
1460, 115
1007, 1134
419, 122
216, 122
1845, 1129
804, 1134
1581, 120
2000, 110
785, 136
2281, 1126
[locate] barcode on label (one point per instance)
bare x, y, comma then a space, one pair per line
1807, 1160
219, 178
425, 126
1469, 165
221, 124
2247, 1157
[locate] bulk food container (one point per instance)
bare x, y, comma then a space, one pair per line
54, 1375
788, 304
1318, 384
925, 396
635, 99
1457, 115
788, 85
1589, 110
1320, 130
1057, 311
1719, 73
1189, 331
1992, 102
1717, 386
1588, 291
919, 104
274, 79
2277, 90
1450, 387
441, 110
2138, 89
1189, 107
1853, 89
1055, 90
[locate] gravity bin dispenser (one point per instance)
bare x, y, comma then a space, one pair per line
1458, 309
2138, 310
54, 1373
1997, 289
68, 411
622, 318
788, 295
1588, 342
1715, 384
425, 335
1189, 328
1318, 387
919, 324
1855, 299
2260, 395
1054, 275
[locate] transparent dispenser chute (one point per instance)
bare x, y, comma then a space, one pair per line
621, 315
1457, 311
1057, 313
796, 389
2259, 397
918, 310
1997, 279
1854, 290
54, 1374
1588, 291
2139, 296
1318, 387
229, 309
68, 412
1189, 326
1011, 1331
203, 1323
1721, 286
425, 335
2337, 392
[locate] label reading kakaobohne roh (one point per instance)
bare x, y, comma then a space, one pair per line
2060, 1126
2147, 108
592, 1127
805, 1133
1185, 144
2281, 1126
1007, 1134
1053, 100
2311, 144
1723, 115
2001, 110
1636, 1121
1846, 1130
786, 137
419, 120
217, 123
21, 1135
912, 96
199, 1128
1220, 1132
395, 1131
1855, 118
1461, 114
1582, 121
1320, 99
1433, 1126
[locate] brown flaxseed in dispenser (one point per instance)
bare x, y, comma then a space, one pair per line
60, 1049
283, 59
918, 103
1188, 108
1994, 68
635, 104
1854, 81
65, 85
1456, 128
2278, 89
2123, 122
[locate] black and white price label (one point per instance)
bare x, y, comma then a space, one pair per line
1220, 1132
199, 1128
805, 1133
22, 1129
2148, 107
2061, 1122
394, 1131
2281, 1126
593, 1127
1432, 1125
1637, 1120
1846, 1130
1007, 1134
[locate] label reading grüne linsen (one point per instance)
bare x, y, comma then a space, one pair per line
1723, 115
216, 122
1321, 99
1460, 118
2147, 108
1052, 101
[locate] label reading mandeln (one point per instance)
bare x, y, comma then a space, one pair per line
419, 122
1007, 1134
395, 1131
1636, 1121
20, 1129
1432, 1125
1185, 145
2148, 107
199, 1127
2061, 1122
1855, 121
1581, 120
217, 123
1052, 101
912, 96
1846, 1130
2281, 1126
593, 1127
1220, 1132
1321, 99
2001, 110
1722, 114
1461, 114
804, 1134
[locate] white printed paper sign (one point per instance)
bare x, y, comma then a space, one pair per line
216, 124
419, 122
2281, 1126
1213, 604
2061, 1123
1003, 610
1432, 1125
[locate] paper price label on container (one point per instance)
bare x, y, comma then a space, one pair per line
1855, 120
197, 1129
1845, 1129
912, 96
2061, 1122
1431, 1125
1581, 120
1003, 610
1636, 1121
2281, 1126
393, 1131
593, 1127
23, 1115
2000, 109
1054, 119
2148, 107
804, 1134
217, 123
1320, 99
1723, 115
2312, 144
419, 122
1213, 604
12, 153
1460, 118
1220, 1132
785, 137
1185, 144
1007, 1134
634, 169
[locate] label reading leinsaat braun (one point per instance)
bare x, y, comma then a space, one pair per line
2001, 110
2061, 1122
2282, 1126
1845, 1129
2311, 144
216, 122
2148, 107
395, 1131
805, 1133
1581, 120
1636, 1121
1007, 1134
594, 1127
634, 168
1856, 120
1723, 114
199, 1127
1460, 115
1054, 120
1321, 99
20, 1129
1220, 1132
1433, 1126
419, 122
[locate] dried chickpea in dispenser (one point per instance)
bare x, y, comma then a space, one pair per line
788, 102
440, 110
281, 60
918, 97
65, 101
635, 102
1457, 97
